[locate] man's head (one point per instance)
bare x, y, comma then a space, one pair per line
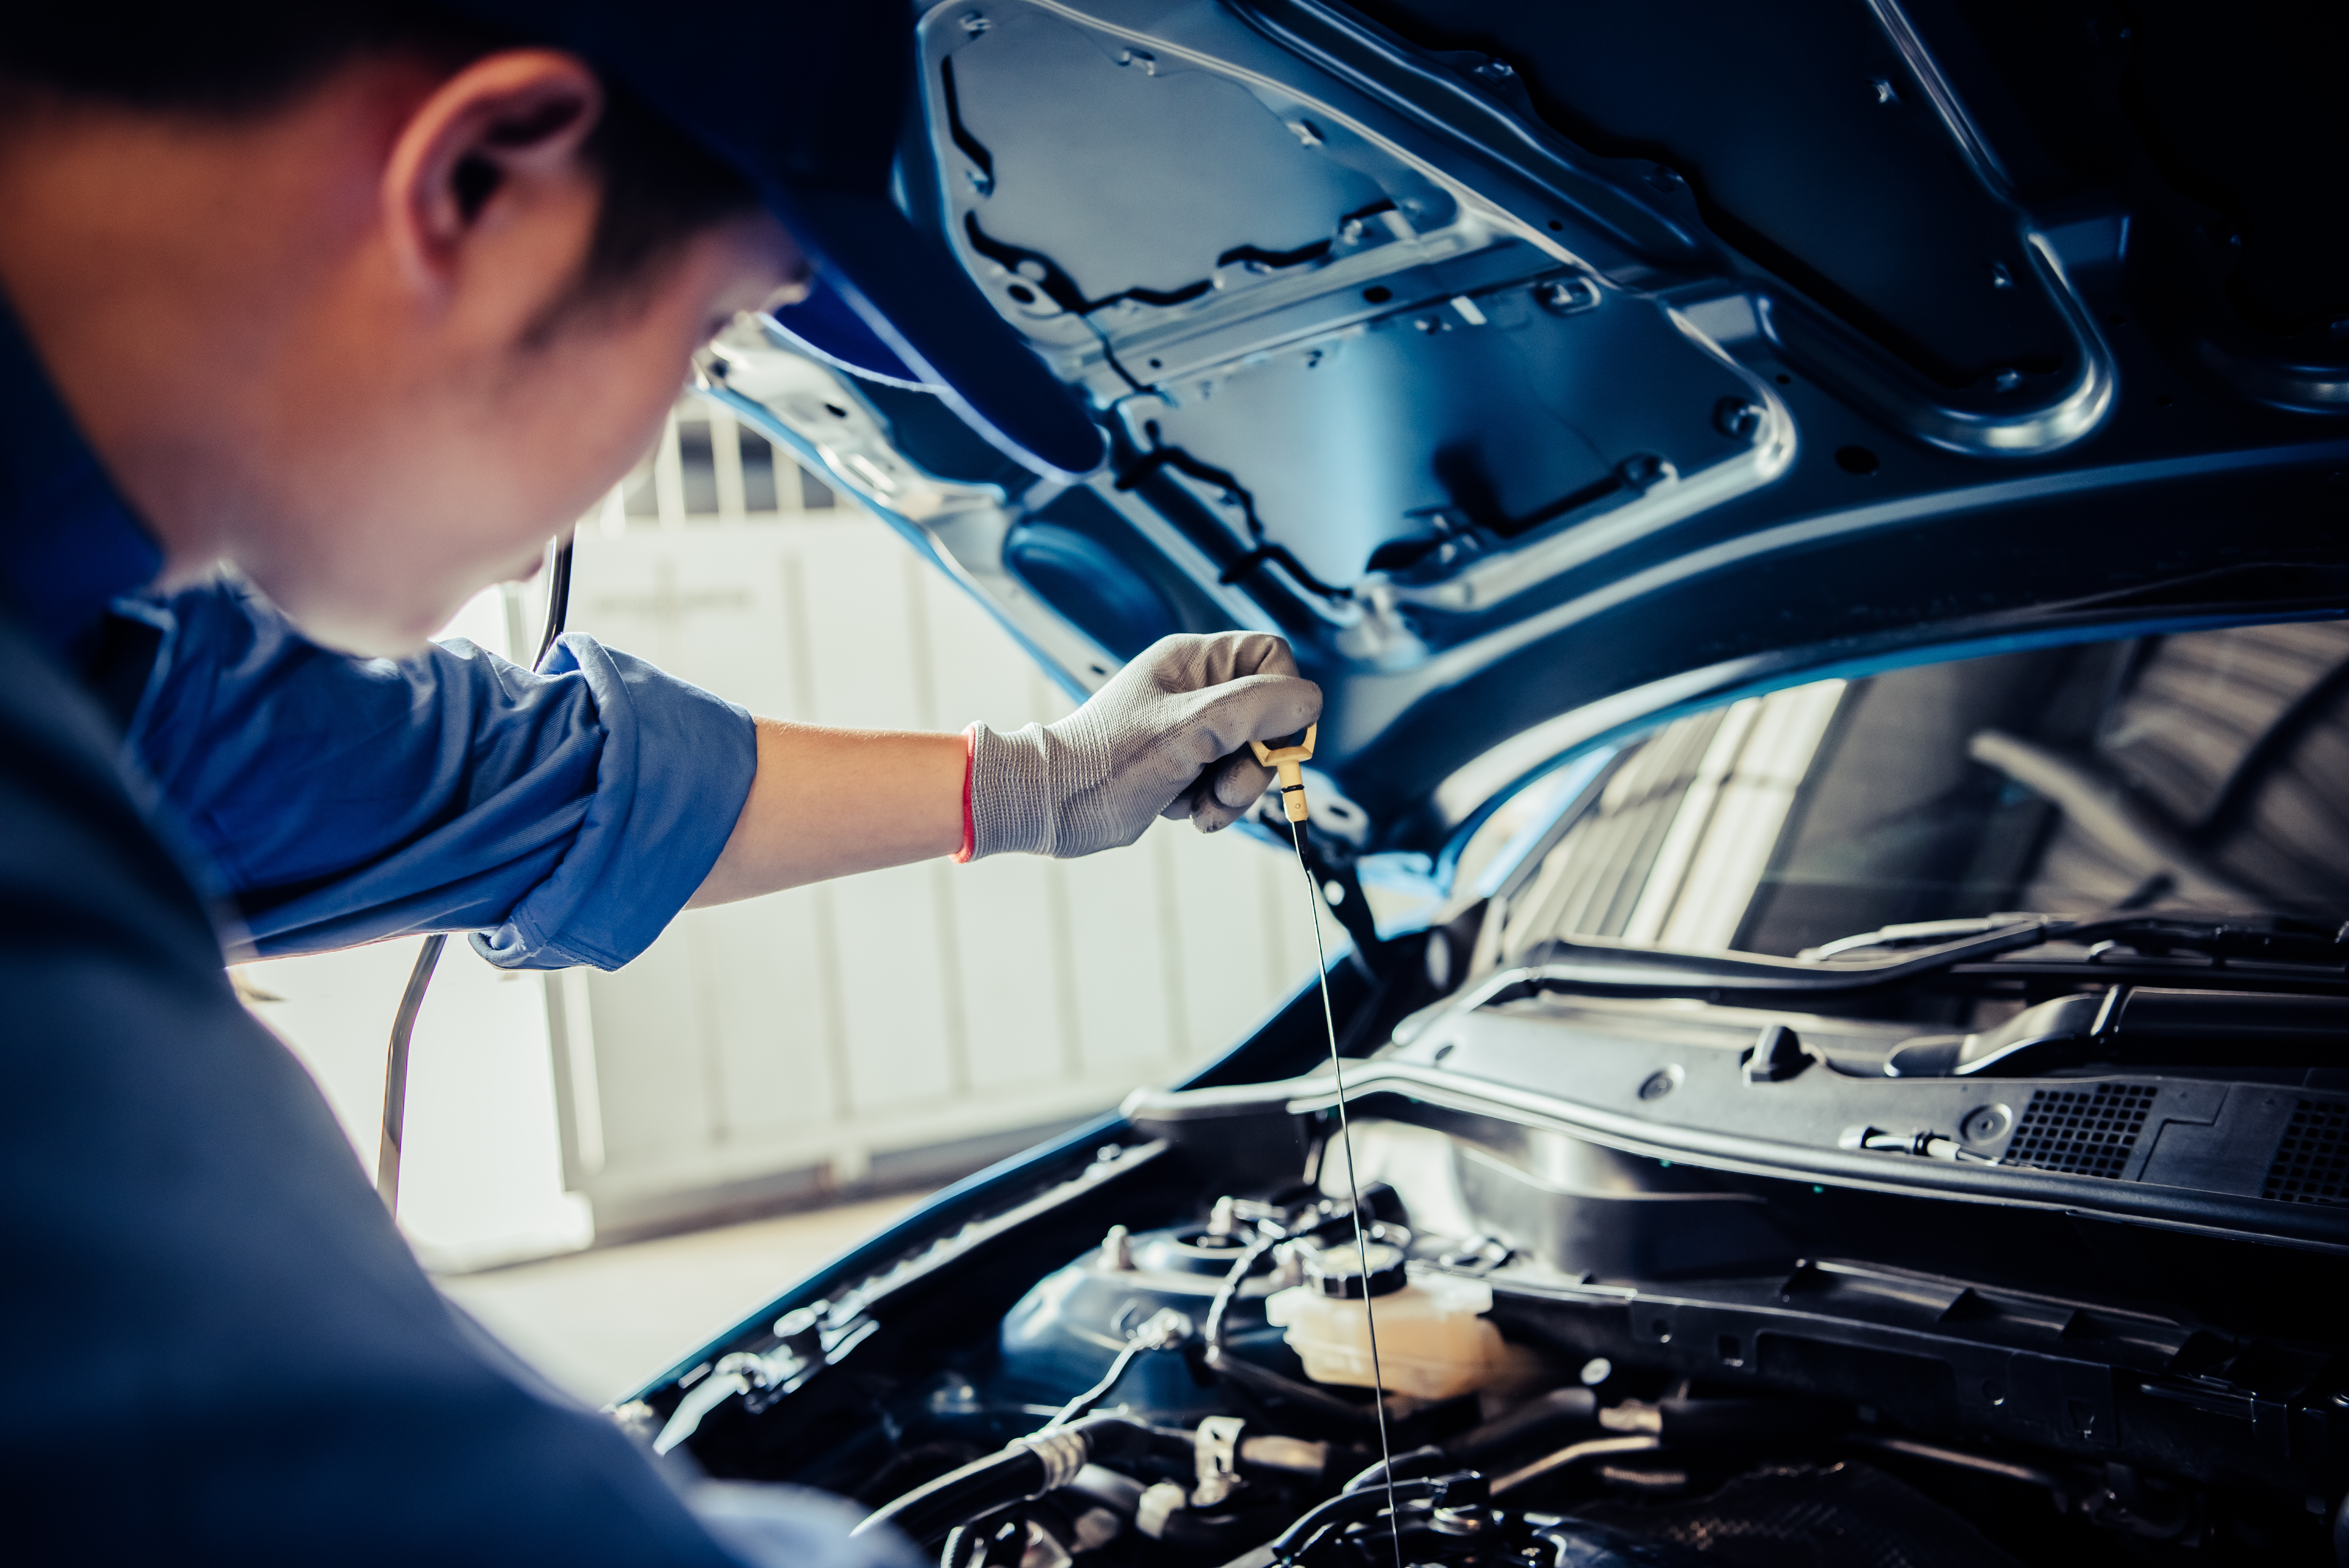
365, 300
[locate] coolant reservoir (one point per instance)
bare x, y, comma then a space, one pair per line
1433, 1341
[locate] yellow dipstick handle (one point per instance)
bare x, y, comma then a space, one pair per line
1284, 762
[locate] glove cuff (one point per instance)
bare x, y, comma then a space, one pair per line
1009, 800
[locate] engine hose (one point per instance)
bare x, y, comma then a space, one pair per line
1229, 1291
1028, 1468
1575, 1454
1412, 1464
1319, 1523
1541, 1421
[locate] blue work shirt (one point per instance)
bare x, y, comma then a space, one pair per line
564, 816
216, 1346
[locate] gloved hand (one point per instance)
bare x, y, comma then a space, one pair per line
1166, 736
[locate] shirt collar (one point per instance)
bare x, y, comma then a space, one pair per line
69, 544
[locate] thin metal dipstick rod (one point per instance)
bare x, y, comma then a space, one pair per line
1354, 1188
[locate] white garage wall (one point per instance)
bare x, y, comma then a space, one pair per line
900, 1026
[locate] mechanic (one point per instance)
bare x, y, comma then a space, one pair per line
318, 318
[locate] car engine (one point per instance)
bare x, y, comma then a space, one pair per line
1594, 1356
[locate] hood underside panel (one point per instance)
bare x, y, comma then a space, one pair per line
1512, 361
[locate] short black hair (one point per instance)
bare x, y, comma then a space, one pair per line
233, 58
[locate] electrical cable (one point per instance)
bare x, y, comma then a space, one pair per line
1100, 1390
428, 958
1353, 1184
1165, 1329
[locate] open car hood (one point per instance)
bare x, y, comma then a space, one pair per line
1537, 370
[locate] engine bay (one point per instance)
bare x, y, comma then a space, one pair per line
1596, 1353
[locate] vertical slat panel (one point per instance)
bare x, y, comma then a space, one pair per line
668, 477
652, 1098
764, 963
890, 984
1123, 1021
726, 463
1011, 973
1228, 934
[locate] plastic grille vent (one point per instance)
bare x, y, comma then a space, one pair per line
2312, 1163
2081, 1132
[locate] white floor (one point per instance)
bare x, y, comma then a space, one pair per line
601, 1322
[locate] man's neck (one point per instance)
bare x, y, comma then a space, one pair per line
69, 545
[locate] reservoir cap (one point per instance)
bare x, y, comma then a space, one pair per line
1337, 1271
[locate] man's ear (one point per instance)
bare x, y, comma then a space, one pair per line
494, 142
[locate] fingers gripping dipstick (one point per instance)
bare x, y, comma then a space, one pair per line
1287, 761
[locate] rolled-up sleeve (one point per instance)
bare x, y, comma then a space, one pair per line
564, 816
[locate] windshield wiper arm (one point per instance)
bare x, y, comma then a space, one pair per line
2271, 939
1624, 969
1919, 932
1594, 964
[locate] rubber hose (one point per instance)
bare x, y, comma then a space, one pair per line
1028, 1468
1346, 1508
1412, 1463
1228, 1291
1541, 1421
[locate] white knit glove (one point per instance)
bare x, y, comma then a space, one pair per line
1167, 737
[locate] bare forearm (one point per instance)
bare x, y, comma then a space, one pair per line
830, 802
1167, 735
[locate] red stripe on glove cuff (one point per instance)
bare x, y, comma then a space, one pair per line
969, 831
